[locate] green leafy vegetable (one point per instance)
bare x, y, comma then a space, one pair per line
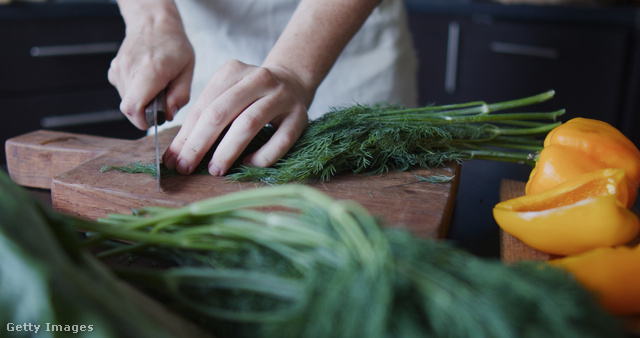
379, 138
50, 284
282, 261
311, 266
376, 139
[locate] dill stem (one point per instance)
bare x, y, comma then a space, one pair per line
531, 148
478, 118
474, 107
477, 107
233, 223
524, 158
529, 131
125, 248
174, 280
350, 233
525, 101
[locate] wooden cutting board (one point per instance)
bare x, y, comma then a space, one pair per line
513, 250
69, 165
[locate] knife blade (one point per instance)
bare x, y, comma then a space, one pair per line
155, 114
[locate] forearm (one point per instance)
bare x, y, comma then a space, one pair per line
315, 36
142, 14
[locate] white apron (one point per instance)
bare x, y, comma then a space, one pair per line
378, 64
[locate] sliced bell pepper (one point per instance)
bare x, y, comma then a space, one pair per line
580, 214
557, 163
613, 274
601, 141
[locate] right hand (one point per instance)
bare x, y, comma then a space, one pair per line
154, 55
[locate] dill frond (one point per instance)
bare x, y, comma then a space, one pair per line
375, 139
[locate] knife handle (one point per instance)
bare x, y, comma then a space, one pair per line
160, 105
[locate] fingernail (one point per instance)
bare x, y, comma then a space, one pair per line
183, 167
171, 162
214, 170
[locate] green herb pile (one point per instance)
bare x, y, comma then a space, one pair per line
280, 261
47, 279
376, 139
379, 138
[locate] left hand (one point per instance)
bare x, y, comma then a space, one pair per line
245, 98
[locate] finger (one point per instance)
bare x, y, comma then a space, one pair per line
178, 93
288, 132
243, 129
143, 87
200, 139
118, 69
113, 75
225, 78
210, 125
170, 156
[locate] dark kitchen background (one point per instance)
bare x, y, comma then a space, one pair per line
55, 56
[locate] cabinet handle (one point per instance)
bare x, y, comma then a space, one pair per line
71, 50
451, 66
81, 119
523, 50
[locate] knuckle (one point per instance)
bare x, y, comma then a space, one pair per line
248, 122
285, 140
113, 71
231, 66
262, 76
214, 118
264, 159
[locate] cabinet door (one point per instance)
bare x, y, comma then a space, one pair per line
631, 118
91, 111
584, 64
431, 36
57, 53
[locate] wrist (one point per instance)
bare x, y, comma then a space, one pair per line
300, 82
145, 14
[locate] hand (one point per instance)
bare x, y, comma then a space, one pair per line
245, 98
154, 55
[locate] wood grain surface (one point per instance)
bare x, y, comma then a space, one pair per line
514, 250
69, 164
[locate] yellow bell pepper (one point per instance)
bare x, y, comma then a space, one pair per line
613, 274
601, 141
580, 214
557, 163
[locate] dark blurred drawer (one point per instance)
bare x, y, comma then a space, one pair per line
57, 53
585, 65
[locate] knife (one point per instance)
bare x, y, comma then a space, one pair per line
155, 114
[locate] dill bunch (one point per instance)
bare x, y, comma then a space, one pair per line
279, 261
374, 139
320, 267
